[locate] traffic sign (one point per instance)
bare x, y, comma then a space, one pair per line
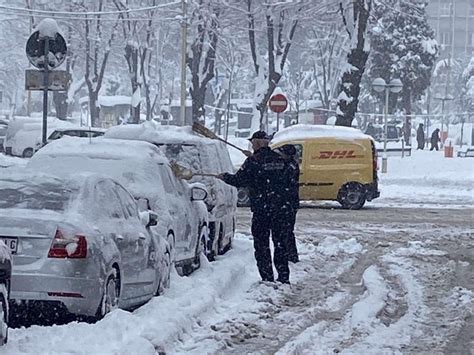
35, 48
278, 103
59, 80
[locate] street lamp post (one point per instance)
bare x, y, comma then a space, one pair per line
395, 86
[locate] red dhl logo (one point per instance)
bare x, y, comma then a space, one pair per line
338, 154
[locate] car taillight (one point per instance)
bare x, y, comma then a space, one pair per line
375, 158
74, 247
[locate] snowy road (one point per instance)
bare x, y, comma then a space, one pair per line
374, 281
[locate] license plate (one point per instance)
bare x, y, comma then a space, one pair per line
11, 243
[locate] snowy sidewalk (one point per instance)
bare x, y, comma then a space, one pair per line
427, 179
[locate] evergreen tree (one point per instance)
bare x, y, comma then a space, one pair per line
403, 46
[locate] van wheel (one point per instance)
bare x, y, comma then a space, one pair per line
352, 196
28, 153
243, 197
3, 314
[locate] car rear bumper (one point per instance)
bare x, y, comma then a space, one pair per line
80, 296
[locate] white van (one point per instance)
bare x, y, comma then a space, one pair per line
201, 155
24, 135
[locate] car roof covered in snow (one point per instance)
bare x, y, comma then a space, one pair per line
100, 147
305, 131
157, 134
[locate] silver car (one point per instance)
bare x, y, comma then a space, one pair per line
79, 242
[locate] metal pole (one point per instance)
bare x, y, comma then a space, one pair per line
384, 157
278, 121
45, 90
229, 96
182, 115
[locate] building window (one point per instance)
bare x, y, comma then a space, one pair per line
445, 38
445, 9
471, 10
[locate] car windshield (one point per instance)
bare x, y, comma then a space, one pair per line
185, 154
43, 196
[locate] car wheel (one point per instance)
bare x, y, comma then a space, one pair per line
243, 199
164, 281
28, 153
111, 295
3, 314
352, 196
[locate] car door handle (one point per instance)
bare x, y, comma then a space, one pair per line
142, 237
119, 237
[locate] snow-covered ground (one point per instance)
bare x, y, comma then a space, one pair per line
359, 289
427, 179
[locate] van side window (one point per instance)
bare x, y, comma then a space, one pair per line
299, 153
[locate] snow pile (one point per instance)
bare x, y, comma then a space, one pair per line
333, 246
8, 161
302, 132
365, 311
48, 27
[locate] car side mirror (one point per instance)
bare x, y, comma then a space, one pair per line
143, 204
152, 219
149, 218
198, 194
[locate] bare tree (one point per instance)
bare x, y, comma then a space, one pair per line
279, 21
97, 55
202, 53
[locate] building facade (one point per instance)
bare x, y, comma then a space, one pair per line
453, 22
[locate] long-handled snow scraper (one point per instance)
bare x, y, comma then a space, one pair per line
206, 132
186, 173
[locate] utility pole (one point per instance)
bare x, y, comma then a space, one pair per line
445, 98
184, 30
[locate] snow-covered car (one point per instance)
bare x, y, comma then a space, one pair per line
78, 243
200, 155
144, 171
5, 276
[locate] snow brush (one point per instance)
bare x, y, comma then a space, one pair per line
206, 132
186, 173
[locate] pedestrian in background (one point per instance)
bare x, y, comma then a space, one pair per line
289, 153
266, 175
420, 137
435, 139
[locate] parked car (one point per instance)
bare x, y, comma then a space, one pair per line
145, 172
336, 163
201, 155
24, 135
5, 276
82, 132
79, 243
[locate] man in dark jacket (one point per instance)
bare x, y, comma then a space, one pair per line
420, 137
288, 152
266, 176
435, 139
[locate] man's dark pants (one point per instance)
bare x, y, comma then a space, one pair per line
291, 242
277, 224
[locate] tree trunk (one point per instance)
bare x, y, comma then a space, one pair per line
94, 109
356, 59
61, 105
407, 108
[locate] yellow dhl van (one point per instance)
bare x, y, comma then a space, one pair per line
336, 163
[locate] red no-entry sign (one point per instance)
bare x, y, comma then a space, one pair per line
278, 103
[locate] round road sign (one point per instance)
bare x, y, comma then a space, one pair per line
35, 50
278, 103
